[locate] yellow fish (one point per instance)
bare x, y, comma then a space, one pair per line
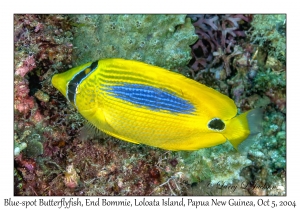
141, 103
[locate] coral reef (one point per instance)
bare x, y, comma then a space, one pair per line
42, 45
240, 58
217, 164
269, 31
257, 78
71, 177
161, 40
101, 167
51, 158
222, 53
269, 155
217, 42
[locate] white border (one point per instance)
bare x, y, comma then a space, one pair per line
154, 6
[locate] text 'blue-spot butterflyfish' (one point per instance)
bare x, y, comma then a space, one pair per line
141, 103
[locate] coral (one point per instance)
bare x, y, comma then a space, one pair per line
40, 95
269, 31
161, 40
220, 54
27, 164
269, 155
101, 167
34, 148
217, 41
273, 84
278, 98
19, 148
40, 41
242, 82
71, 177
217, 164
263, 83
47, 140
42, 46
257, 78
23, 102
27, 65
222, 58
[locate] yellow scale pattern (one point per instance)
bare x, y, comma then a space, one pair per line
132, 122
98, 102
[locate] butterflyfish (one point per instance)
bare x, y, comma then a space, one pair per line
141, 103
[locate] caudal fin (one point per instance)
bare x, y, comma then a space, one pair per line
243, 130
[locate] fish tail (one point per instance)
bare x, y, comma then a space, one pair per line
242, 131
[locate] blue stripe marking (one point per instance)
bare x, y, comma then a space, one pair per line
150, 97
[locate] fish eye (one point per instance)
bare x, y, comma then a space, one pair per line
216, 124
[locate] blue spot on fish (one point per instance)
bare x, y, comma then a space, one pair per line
153, 98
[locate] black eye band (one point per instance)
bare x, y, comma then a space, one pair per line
77, 79
94, 65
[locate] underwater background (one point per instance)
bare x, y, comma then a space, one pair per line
242, 56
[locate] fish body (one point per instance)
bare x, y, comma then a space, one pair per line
141, 103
